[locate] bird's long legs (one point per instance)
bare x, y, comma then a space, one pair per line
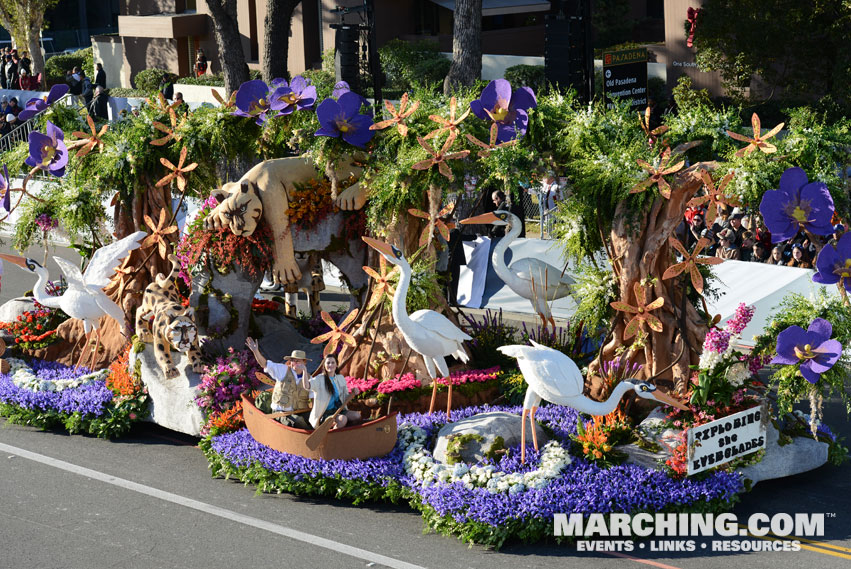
82, 350
433, 395
523, 437
449, 398
93, 359
534, 430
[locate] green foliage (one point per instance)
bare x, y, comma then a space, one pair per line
745, 37
148, 80
595, 288
526, 75
128, 93
611, 22
799, 310
488, 334
116, 420
512, 386
407, 64
207, 79
56, 66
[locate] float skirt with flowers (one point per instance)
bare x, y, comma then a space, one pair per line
50, 395
486, 503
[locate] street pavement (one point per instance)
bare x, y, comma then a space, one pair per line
148, 501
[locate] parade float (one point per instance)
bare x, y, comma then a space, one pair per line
288, 175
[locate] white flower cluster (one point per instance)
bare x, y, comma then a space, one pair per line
420, 464
737, 374
22, 376
709, 359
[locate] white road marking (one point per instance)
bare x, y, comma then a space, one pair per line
331, 545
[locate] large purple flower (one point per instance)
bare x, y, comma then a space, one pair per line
6, 186
48, 151
812, 348
797, 204
834, 263
342, 118
36, 104
252, 101
298, 95
508, 110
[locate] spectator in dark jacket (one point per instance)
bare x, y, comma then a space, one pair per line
86, 89
11, 72
100, 75
100, 104
167, 87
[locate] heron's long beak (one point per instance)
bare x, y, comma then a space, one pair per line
20, 261
379, 246
663, 397
480, 219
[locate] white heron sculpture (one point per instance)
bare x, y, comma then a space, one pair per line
84, 299
553, 376
427, 332
538, 282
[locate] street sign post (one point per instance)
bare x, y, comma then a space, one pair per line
625, 76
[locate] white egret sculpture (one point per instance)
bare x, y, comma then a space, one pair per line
84, 299
427, 332
533, 279
553, 376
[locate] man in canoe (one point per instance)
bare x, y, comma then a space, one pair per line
288, 394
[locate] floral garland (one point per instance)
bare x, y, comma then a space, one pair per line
23, 376
49, 394
420, 464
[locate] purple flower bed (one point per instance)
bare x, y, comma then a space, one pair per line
92, 408
477, 515
88, 399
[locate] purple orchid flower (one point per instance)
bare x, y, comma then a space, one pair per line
36, 104
812, 348
6, 186
298, 95
342, 118
252, 101
834, 263
508, 110
340, 87
797, 204
48, 151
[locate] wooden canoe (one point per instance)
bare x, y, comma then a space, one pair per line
373, 438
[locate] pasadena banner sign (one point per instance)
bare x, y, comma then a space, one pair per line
726, 439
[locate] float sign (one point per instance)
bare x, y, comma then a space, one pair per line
726, 439
625, 76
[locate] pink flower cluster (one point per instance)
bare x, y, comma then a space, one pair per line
719, 340
223, 382
45, 222
716, 341
403, 383
740, 319
408, 381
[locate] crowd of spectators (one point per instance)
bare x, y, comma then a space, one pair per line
16, 71
744, 237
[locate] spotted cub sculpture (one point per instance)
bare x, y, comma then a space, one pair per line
163, 320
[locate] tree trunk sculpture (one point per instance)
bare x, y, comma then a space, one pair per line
640, 249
